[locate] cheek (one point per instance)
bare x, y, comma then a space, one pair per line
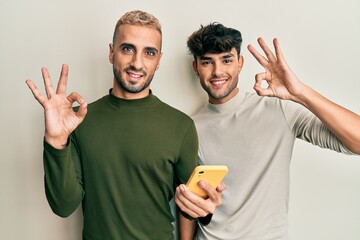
204, 74
203, 80
234, 73
119, 55
151, 66
120, 61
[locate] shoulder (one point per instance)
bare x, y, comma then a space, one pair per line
172, 112
253, 98
95, 104
99, 102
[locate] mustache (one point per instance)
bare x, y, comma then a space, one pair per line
135, 70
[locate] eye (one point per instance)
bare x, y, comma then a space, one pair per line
205, 63
127, 49
227, 61
151, 53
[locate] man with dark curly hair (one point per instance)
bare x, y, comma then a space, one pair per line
253, 134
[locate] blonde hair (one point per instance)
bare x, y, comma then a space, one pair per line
138, 17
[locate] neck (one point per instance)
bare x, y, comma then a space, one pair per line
225, 99
121, 93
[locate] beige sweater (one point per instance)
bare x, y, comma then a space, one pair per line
254, 137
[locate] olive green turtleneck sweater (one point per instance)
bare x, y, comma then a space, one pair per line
122, 162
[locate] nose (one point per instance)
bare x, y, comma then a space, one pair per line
137, 61
217, 70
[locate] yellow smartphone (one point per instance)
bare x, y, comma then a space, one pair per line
213, 174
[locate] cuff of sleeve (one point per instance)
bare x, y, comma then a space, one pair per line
205, 220
55, 151
187, 215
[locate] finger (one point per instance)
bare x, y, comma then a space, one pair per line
61, 87
179, 202
47, 82
75, 97
35, 91
221, 187
278, 51
270, 55
211, 192
264, 91
261, 91
82, 111
183, 206
186, 210
259, 78
262, 60
192, 202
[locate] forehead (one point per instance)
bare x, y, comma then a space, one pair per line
139, 36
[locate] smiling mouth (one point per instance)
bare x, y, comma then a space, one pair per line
218, 83
134, 75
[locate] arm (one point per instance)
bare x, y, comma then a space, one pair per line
284, 84
187, 228
63, 178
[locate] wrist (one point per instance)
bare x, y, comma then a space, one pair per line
302, 95
57, 142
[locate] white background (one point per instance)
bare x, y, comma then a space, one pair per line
320, 40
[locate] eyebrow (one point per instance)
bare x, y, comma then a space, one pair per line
205, 58
133, 46
152, 49
229, 55
226, 56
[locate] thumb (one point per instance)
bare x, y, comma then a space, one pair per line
265, 90
203, 184
221, 187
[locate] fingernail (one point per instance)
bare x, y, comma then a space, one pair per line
182, 188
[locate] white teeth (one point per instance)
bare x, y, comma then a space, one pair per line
135, 75
218, 82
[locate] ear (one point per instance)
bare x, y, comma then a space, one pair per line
241, 63
157, 67
194, 65
111, 53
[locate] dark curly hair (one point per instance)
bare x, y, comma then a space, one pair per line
214, 38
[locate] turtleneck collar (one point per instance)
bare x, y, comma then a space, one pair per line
229, 105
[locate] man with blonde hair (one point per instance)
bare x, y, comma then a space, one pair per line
122, 155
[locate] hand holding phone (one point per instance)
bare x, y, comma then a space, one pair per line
212, 174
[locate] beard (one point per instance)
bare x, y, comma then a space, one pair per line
132, 87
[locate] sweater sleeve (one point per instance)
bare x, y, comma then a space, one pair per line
187, 160
306, 126
188, 153
63, 178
